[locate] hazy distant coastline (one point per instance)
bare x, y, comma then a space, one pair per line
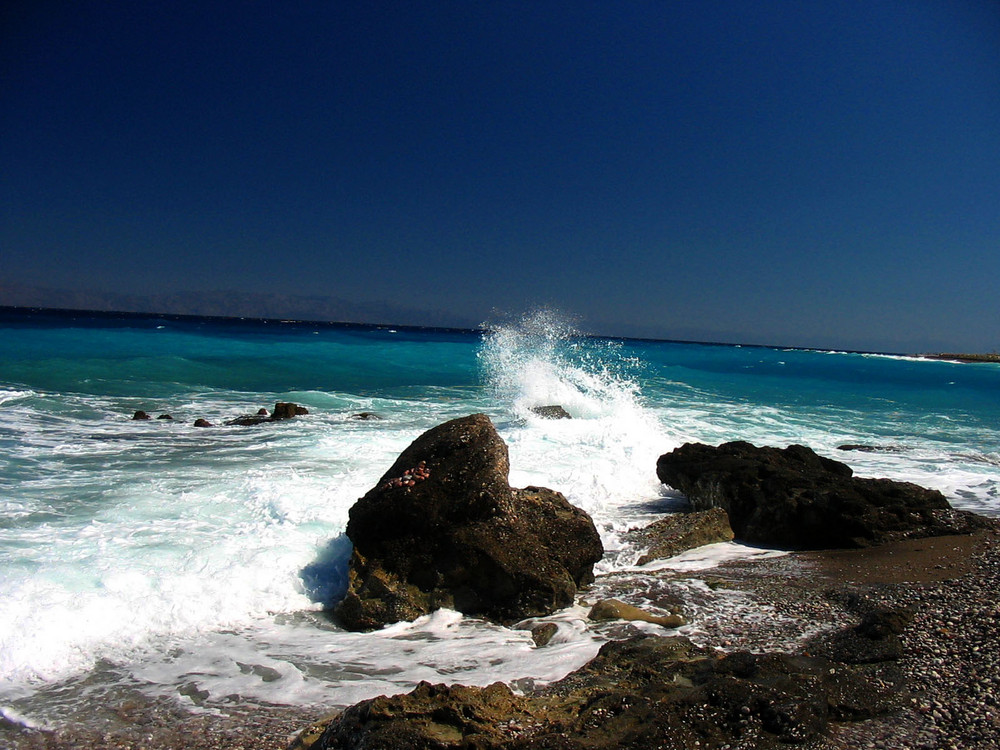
261, 304
258, 304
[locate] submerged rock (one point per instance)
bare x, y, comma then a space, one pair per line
200, 422
365, 416
140, 415
795, 499
247, 420
865, 448
443, 528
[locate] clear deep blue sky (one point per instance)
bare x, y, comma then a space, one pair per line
822, 173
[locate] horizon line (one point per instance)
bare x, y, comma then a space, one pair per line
480, 329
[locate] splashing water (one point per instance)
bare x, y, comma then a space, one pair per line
542, 360
599, 459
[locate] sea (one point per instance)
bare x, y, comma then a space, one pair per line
197, 565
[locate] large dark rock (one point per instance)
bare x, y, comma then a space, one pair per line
795, 499
645, 692
443, 528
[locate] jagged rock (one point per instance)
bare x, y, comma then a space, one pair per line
612, 609
203, 423
443, 528
676, 533
644, 692
551, 412
793, 498
140, 415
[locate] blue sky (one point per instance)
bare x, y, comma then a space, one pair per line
813, 174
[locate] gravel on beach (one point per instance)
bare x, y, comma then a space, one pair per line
951, 659
951, 650
951, 654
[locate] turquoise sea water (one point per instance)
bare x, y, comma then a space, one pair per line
194, 563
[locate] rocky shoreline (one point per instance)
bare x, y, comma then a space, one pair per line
950, 652
890, 640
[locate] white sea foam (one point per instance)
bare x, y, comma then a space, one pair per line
709, 556
195, 561
294, 662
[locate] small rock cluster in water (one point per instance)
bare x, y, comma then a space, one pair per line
410, 477
282, 411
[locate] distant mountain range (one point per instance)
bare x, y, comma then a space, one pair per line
239, 304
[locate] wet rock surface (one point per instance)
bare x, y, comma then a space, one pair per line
443, 528
865, 448
551, 412
676, 533
793, 498
638, 693
282, 410
613, 609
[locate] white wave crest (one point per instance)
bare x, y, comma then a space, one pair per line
542, 360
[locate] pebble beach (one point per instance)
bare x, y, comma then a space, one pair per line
951, 655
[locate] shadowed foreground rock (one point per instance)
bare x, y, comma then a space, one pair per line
793, 498
443, 528
646, 692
